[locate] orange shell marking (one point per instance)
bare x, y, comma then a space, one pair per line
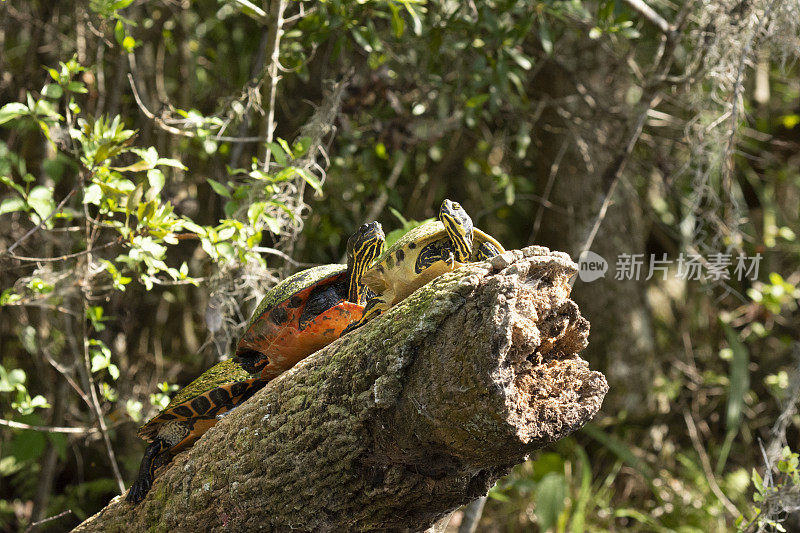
277, 334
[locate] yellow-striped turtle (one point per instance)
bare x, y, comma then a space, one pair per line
422, 254
297, 317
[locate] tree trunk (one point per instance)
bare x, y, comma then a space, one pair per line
399, 423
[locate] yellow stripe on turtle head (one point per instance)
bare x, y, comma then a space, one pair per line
363, 247
458, 225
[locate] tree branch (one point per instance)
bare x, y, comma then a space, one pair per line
397, 424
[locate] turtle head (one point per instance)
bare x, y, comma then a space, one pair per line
458, 225
363, 247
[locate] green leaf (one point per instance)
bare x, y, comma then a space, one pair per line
310, 178
219, 188
119, 32
134, 200
5, 180
301, 146
8, 296
273, 225
129, 43
519, 58
286, 147
12, 111
77, 87
416, 22
358, 37
499, 496
398, 24
27, 445
38, 401
226, 250
619, 448
12, 204
93, 194
41, 200
477, 100
99, 362
277, 153
51, 90
545, 36
157, 180
550, 494
171, 163
739, 379
226, 233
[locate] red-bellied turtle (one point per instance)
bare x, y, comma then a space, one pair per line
297, 317
309, 310
421, 255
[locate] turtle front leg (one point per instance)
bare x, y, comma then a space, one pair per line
374, 308
144, 480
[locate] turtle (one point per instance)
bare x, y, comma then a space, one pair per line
298, 316
310, 309
189, 414
422, 254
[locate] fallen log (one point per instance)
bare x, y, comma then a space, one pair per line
398, 423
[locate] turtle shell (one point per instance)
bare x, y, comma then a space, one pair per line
300, 315
210, 394
479, 237
293, 285
402, 258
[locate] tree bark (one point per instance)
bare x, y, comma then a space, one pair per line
399, 423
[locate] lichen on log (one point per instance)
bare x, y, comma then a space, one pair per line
398, 423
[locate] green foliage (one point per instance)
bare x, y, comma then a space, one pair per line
161, 398
13, 382
153, 221
773, 492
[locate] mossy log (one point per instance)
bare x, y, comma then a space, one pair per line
398, 423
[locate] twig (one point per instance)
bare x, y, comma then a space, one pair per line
546, 194
34, 303
65, 257
277, 9
298, 16
712, 481
257, 14
614, 171
65, 374
47, 429
49, 519
43, 221
647, 12
255, 71
87, 366
158, 121
286, 257
380, 203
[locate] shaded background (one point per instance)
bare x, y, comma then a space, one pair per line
574, 125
